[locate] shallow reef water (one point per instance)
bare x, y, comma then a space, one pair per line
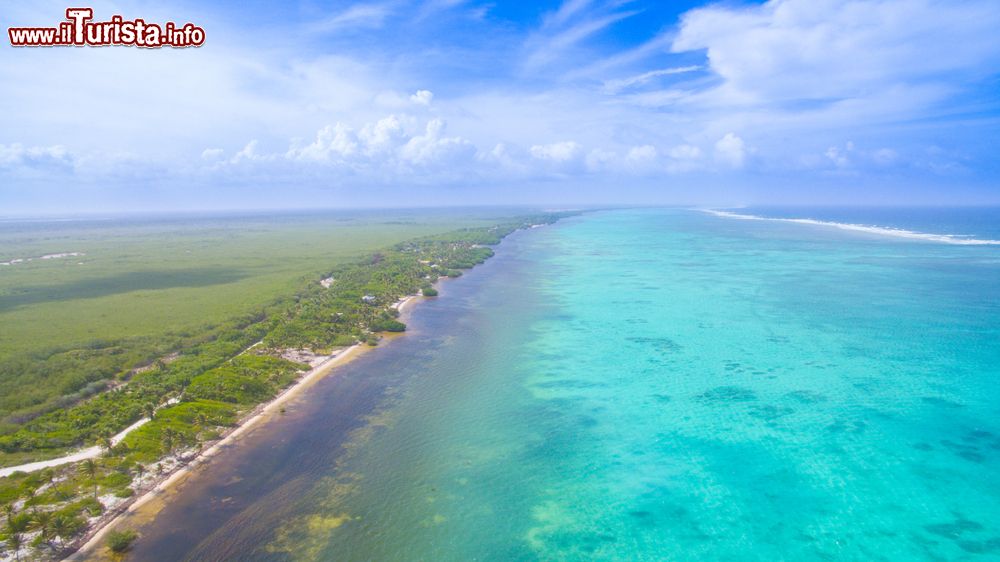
647, 384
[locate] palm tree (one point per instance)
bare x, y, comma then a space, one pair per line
61, 527
149, 410
139, 470
168, 439
14, 543
105, 444
17, 524
43, 522
89, 468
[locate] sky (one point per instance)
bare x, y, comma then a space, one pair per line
325, 104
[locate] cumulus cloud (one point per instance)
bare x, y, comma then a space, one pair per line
564, 151
332, 142
434, 148
599, 160
642, 159
848, 156
839, 156
685, 152
16, 155
639, 160
382, 136
422, 97
730, 150
247, 153
212, 153
393, 143
642, 153
398, 146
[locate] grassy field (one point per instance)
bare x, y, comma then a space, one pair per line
147, 284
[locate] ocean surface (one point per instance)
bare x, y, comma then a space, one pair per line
656, 384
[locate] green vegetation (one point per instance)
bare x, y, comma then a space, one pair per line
55, 505
120, 541
176, 427
151, 286
248, 379
205, 388
429, 291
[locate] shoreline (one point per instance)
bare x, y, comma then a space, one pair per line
91, 540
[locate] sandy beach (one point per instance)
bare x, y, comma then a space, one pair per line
92, 541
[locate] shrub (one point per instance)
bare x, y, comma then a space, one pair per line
429, 292
388, 325
121, 541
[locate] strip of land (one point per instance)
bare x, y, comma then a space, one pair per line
175, 415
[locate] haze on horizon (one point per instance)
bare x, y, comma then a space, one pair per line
465, 102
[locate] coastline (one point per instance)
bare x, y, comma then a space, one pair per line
90, 542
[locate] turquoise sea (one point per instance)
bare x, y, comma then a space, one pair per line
654, 384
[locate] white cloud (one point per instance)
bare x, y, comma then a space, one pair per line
839, 156
564, 151
432, 147
599, 160
847, 156
356, 16
796, 78
615, 86
249, 152
885, 156
566, 28
391, 145
566, 10
333, 142
639, 160
642, 153
730, 150
642, 159
384, 135
212, 153
685, 152
15, 156
422, 97
827, 50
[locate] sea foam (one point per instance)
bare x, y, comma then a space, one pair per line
961, 240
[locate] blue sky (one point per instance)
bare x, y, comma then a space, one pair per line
454, 102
